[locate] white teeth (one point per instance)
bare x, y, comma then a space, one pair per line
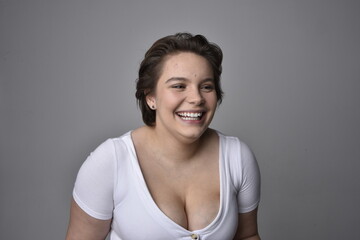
187, 114
190, 115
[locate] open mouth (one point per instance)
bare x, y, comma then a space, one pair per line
190, 116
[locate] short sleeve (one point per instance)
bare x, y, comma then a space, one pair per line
94, 185
248, 195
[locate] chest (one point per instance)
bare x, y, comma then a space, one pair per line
138, 214
188, 194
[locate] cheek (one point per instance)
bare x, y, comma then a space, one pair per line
212, 99
168, 99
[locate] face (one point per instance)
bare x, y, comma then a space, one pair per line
185, 98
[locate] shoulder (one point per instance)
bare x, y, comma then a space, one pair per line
237, 151
103, 159
97, 178
114, 146
239, 157
235, 145
243, 170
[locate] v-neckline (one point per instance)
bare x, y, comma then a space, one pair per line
155, 209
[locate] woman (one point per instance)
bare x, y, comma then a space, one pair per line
173, 178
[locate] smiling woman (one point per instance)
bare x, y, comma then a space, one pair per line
174, 178
184, 89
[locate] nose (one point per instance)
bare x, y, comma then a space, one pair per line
195, 97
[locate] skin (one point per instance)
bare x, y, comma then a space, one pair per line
84, 227
186, 84
192, 149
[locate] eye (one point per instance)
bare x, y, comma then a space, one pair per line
178, 86
207, 87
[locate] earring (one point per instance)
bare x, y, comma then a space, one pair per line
153, 107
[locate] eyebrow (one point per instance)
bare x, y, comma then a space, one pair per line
185, 79
176, 79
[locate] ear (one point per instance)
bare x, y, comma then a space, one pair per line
150, 100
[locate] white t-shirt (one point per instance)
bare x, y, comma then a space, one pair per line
110, 184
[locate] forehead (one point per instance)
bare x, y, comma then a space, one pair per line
186, 64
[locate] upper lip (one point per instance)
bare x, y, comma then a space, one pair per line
192, 111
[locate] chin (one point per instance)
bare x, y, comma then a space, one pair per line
193, 134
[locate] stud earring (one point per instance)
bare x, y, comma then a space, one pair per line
153, 107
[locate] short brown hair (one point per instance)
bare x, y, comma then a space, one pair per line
151, 66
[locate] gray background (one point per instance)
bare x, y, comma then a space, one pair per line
291, 78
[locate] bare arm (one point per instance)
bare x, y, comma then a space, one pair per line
84, 227
247, 227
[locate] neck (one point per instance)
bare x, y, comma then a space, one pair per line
172, 148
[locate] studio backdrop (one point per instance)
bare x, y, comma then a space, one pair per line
291, 77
